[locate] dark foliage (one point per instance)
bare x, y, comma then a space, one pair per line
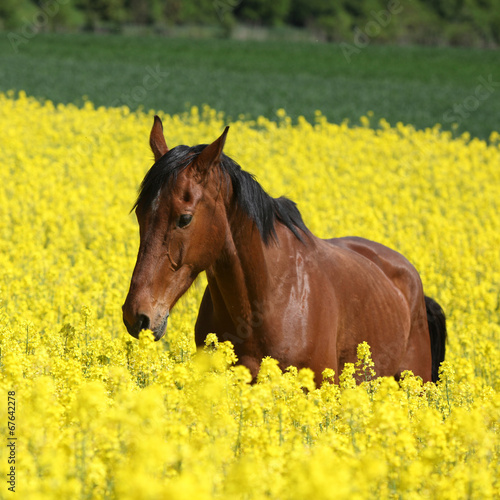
454, 22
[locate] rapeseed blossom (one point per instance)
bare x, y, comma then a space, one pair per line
102, 415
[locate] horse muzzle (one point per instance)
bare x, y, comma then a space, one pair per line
143, 322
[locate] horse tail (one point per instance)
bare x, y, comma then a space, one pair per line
437, 330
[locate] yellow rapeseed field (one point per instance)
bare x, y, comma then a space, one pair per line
88, 412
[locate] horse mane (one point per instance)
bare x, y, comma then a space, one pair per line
259, 206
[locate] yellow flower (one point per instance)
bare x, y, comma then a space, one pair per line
98, 414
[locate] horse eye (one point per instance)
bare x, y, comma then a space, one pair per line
184, 220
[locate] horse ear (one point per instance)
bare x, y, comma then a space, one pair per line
157, 140
211, 154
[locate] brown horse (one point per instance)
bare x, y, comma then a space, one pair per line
274, 289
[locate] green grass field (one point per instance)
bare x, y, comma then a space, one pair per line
421, 86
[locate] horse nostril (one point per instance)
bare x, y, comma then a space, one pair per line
143, 322
140, 322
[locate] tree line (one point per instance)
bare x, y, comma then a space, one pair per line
453, 22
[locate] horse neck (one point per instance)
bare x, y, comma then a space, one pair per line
244, 277
240, 272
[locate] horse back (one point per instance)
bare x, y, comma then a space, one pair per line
395, 266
